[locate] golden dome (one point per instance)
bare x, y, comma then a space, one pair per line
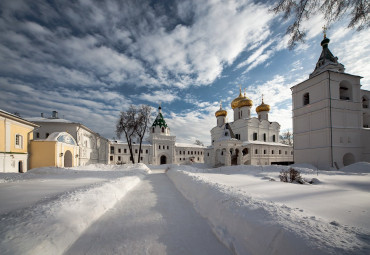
221, 112
245, 102
262, 107
235, 102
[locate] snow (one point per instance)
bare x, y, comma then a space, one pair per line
251, 211
41, 119
184, 209
189, 145
50, 220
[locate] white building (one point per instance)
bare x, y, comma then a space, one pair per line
161, 148
247, 140
331, 116
93, 147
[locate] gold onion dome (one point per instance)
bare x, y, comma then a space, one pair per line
245, 102
262, 107
221, 112
235, 102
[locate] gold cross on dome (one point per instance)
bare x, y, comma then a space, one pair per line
240, 88
262, 98
220, 104
324, 29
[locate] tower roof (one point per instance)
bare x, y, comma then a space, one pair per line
327, 61
262, 107
159, 120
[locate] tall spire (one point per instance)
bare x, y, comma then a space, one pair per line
327, 61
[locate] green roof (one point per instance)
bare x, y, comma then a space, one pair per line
159, 121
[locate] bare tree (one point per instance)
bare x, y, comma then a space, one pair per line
127, 124
143, 120
198, 142
332, 10
286, 138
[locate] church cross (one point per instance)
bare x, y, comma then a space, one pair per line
324, 29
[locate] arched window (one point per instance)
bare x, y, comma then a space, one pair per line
306, 98
345, 90
254, 136
162, 129
264, 137
274, 138
245, 151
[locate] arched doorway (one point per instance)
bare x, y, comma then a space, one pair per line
20, 166
68, 159
163, 160
348, 159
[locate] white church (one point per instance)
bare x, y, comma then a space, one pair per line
331, 116
161, 148
247, 140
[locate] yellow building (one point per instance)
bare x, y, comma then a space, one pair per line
15, 136
59, 150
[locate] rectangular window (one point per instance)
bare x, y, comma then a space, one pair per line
119, 158
141, 158
188, 152
180, 152
47, 135
112, 150
264, 137
37, 135
136, 151
279, 151
159, 147
119, 150
272, 152
264, 151
168, 147
146, 151
125, 150
255, 151
111, 158
286, 152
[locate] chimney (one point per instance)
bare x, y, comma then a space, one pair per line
42, 115
55, 115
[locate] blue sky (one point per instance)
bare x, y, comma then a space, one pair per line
89, 60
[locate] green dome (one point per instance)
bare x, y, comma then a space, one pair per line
159, 121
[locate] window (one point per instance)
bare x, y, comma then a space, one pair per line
47, 135
291, 153
119, 158
254, 136
111, 158
272, 152
286, 152
255, 151
198, 158
146, 151
136, 151
119, 150
306, 98
168, 147
188, 152
222, 153
162, 129
274, 138
365, 102
180, 159
112, 150
345, 90
245, 151
159, 147
180, 152
141, 151
125, 150
141, 158
208, 154
191, 152
37, 135
237, 136
279, 151
18, 141
264, 151
201, 153
264, 137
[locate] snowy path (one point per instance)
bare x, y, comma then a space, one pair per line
154, 218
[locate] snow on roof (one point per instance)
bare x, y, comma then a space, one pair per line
16, 117
133, 143
189, 145
51, 120
265, 143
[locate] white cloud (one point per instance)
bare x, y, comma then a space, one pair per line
159, 96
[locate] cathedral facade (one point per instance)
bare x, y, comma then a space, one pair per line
160, 148
247, 140
331, 116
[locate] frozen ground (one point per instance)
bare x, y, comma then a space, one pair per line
130, 209
254, 213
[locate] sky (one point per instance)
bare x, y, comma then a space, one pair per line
89, 60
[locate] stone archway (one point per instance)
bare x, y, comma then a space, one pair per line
68, 159
163, 160
348, 159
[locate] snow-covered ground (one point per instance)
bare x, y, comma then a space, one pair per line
45, 210
252, 212
131, 209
